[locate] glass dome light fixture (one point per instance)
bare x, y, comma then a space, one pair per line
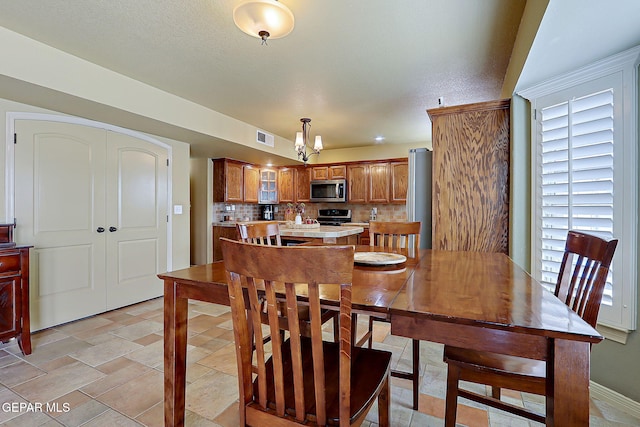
264, 19
302, 142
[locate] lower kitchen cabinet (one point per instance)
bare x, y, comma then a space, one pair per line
218, 232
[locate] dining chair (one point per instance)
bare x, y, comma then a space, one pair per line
580, 284
268, 233
388, 234
300, 380
262, 233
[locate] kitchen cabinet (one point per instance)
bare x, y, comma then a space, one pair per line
399, 181
471, 177
268, 192
251, 177
228, 181
286, 185
218, 232
378, 180
368, 182
357, 183
303, 184
329, 172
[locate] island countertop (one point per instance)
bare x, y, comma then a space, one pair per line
322, 232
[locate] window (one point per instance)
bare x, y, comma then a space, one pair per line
584, 155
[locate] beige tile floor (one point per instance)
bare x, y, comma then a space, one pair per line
107, 370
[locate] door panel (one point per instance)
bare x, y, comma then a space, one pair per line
70, 181
137, 208
59, 204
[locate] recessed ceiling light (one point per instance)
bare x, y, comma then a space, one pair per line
379, 138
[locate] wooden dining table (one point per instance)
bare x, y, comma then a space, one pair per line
474, 300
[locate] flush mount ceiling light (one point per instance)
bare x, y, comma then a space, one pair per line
264, 19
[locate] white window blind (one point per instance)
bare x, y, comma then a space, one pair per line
584, 140
577, 138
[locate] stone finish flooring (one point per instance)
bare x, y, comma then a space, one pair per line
106, 370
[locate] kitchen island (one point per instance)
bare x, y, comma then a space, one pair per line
324, 234
329, 234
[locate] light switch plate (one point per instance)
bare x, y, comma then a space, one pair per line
177, 209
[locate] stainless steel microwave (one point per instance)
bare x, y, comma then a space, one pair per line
329, 190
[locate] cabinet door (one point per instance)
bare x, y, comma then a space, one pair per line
232, 182
319, 172
268, 186
286, 188
338, 172
10, 305
251, 183
303, 184
399, 181
358, 186
378, 183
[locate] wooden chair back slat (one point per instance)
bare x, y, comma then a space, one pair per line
259, 233
392, 234
276, 272
583, 273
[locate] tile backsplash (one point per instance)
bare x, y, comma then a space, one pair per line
359, 212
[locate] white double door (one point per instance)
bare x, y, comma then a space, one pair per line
93, 203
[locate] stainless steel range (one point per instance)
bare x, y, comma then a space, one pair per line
334, 216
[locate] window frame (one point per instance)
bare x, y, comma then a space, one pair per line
622, 67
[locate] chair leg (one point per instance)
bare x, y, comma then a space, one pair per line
384, 404
495, 392
451, 403
336, 328
416, 373
370, 331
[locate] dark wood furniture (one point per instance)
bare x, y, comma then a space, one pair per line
14, 290
268, 233
580, 286
346, 381
441, 296
471, 177
396, 235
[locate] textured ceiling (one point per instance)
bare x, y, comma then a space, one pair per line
358, 68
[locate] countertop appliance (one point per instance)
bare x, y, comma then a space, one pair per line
329, 190
334, 216
419, 192
266, 212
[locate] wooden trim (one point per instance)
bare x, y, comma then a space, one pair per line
499, 104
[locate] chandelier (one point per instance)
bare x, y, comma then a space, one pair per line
263, 19
302, 142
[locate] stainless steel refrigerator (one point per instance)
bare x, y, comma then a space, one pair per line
419, 192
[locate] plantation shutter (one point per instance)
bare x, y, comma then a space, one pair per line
577, 177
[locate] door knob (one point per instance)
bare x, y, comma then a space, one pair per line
112, 229
100, 230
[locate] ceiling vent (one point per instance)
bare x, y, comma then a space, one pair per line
264, 138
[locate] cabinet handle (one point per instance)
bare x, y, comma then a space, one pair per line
112, 229
100, 230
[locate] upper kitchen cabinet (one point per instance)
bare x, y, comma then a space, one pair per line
471, 177
329, 172
251, 183
268, 186
303, 184
368, 182
286, 184
228, 181
399, 181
